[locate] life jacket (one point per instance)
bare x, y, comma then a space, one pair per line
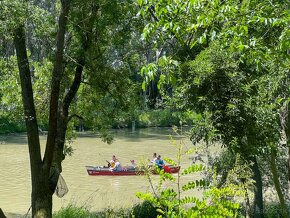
112, 163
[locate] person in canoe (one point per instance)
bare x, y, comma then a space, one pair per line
115, 165
154, 158
159, 162
111, 163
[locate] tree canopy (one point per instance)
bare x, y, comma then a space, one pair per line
95, 63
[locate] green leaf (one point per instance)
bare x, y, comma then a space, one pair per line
144, 86
193, 168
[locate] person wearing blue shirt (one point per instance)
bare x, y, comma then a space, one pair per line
159, 162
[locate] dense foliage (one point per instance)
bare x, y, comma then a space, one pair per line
229, 65
222, 66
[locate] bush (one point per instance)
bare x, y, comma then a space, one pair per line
153, 118
9, 126
176, 200
162, 118
144, 210
113, 213
72, 211
273, 209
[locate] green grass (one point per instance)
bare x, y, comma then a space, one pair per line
72, 211
143, 210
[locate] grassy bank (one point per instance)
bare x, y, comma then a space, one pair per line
141, 119
144, 210
153, 118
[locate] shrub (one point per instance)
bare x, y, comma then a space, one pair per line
144, 210
113, 213
273, 209
72, 211
178, 201
9, 126
162, 118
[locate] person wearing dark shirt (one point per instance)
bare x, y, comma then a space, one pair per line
159, 162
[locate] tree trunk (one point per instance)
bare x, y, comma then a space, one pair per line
42, 187
285, 123
39, 178
63, 116
41, 196
277, 183
258, 209
2, 215
57, 75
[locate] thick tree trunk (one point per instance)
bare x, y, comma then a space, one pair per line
39, 178
41, 196
2, 215
277, 183
258, 208
42, 188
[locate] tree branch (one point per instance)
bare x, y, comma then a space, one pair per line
55, 84
27, 99
74, 115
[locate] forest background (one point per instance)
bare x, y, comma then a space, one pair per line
221, 67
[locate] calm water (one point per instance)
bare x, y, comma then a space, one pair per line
95, 192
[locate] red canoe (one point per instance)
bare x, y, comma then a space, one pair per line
127, 171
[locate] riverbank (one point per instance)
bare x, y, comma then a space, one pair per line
142, 119
142, 210
15, 215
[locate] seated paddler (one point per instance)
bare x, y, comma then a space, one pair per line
115, 165
159, 162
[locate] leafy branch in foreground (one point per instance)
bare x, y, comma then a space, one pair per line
180, 199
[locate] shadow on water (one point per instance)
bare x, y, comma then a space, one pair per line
17, 138
153, 133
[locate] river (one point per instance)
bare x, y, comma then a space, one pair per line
94, 192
